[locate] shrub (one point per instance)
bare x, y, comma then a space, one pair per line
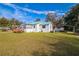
51, 31
17, 30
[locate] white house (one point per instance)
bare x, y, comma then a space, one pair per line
38, 27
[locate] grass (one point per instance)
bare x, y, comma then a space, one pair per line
16, 44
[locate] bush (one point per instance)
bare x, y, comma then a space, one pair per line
17, 30
51, 31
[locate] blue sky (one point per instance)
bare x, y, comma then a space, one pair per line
28, 12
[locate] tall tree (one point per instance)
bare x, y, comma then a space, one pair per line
14, 23
9, 22
72, 18
61, 21
3, 22
52, 18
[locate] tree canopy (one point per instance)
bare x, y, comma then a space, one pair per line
72, 17
9, 22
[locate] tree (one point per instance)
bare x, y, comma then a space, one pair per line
3, 22
72, 18
52, 18
9, 22
61, 21
15, 23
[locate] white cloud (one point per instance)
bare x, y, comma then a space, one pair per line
30, 10
13, 6
33, 11
60, 14
19, 15
37, 12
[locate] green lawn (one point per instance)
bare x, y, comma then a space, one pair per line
38, 44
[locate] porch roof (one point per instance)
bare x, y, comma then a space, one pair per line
42, 23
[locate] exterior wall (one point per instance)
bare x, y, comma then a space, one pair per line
38, 28
47, 28
29, 28
51, 27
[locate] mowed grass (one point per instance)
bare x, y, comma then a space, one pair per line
47, 44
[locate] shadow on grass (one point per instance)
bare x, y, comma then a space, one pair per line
65, 49
62, 48
70, 33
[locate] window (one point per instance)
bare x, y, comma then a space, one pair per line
34, 26
43, 26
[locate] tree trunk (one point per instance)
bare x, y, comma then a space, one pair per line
74, 29
54, 29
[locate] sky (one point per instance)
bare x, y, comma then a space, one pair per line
28, 12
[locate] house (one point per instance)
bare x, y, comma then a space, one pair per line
38, 27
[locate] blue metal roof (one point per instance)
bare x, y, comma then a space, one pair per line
42, 23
